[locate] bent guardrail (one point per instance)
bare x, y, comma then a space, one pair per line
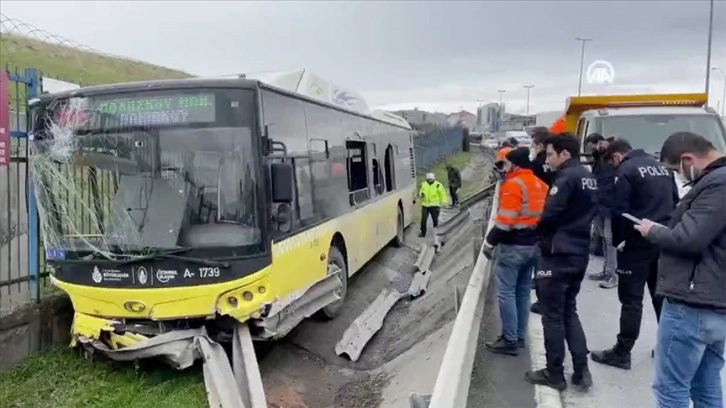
454, 377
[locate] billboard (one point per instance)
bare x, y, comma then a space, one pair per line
4, 119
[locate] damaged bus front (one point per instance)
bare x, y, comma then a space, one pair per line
151, 201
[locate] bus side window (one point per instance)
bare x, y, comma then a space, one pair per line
358, 190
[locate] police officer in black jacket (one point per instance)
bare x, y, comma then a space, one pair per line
644, 188
565, 230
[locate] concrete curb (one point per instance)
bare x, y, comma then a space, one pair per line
451, 389
545, 397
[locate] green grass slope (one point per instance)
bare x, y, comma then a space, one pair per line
73, 65
77, 66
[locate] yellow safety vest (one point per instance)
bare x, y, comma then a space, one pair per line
433, 195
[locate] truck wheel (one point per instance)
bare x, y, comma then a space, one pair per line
336, 263
399, 239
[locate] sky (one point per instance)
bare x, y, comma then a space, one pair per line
440, 56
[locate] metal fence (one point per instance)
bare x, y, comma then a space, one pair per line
19, 246
430, 147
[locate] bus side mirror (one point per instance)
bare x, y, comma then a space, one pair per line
282, 182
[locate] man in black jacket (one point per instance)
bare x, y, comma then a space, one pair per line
565, 240
454, 177
602, 224
692, 331
543, 172
644, 188
539, 163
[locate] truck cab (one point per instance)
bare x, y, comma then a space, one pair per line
644, 120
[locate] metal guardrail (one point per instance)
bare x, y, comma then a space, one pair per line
476, 197
452, 382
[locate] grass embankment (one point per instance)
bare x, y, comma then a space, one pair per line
61, 378
460, 161
73, 65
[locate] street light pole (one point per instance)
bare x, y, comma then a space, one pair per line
723, 95
501, 96
708, 54
528, 88
582, 62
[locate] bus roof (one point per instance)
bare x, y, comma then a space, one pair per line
311, 87
306, 83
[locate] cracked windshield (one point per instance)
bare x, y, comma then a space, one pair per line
348, 204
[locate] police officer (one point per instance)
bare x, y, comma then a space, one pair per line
565, 241
433, 196
644, 188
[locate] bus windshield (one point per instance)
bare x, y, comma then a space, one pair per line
147, 172
648, 132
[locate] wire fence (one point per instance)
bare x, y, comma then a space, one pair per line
13, 26
432, 146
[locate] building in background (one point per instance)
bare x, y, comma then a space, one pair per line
516, 122
463, 119
489, 117
421, 118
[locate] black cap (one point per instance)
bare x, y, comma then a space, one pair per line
519, 157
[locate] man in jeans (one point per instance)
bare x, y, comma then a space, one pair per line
521, 200
689, 354
605, 176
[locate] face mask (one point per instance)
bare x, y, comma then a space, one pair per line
692, 173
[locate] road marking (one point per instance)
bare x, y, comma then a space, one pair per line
545, 397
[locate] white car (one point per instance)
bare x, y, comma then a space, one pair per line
491, 143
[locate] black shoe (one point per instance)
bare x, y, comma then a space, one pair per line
535, 308
582, 380
612, 358
421, 234
542, 377
521, 343
503, 346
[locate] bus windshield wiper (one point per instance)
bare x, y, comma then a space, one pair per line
173, 254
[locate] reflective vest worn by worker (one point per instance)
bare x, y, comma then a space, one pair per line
433, 194
522, 197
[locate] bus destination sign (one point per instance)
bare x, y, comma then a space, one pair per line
171, 109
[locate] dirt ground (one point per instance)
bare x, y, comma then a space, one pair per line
303, 371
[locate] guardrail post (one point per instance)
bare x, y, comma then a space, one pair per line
32, 91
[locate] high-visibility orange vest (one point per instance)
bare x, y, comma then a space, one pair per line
502, 153
522, 198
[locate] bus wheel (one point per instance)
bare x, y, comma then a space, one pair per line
336, 264
398, 240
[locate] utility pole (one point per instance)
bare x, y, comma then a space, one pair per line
723, 95
501, 96
582, 62
528, 89
708, 54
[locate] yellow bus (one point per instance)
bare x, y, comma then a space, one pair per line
178, 204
